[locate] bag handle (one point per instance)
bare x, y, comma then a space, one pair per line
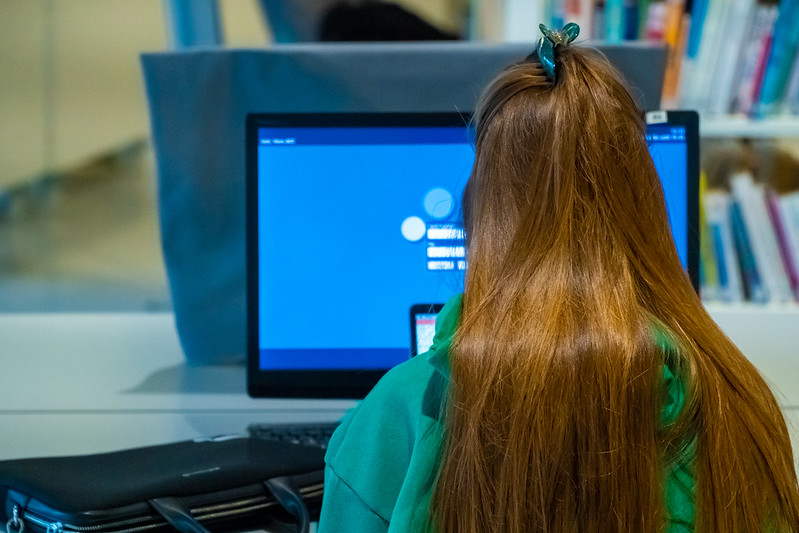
282, 488
287, 495
174, 512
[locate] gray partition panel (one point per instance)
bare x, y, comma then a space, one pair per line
198, 101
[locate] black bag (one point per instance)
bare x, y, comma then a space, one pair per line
218, 484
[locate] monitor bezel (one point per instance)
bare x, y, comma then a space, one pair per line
690, 121
311, 384
355, 384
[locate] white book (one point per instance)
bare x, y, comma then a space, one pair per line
789, 211
698, 93
751, 198
754, 47
717, 215
736, 24
791, 104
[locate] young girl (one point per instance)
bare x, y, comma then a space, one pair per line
578, 384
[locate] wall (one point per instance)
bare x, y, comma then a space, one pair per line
71, 85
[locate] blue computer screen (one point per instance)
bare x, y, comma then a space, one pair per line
356, 225
667, 145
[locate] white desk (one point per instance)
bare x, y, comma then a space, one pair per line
84, 383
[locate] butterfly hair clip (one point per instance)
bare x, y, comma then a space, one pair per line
551, 40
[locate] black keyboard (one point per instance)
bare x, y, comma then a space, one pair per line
309, 434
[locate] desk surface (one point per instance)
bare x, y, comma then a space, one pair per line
85, 383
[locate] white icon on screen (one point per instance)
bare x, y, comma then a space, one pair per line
413, 228
438, 203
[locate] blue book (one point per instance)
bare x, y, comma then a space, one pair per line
630, 20
614, 21
698, 12
721, 264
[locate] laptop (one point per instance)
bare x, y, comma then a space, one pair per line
423, 326
354, 222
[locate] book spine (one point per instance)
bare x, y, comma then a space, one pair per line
656, 22
786, 254
712, 273
698, 91
762, 240
762, 61
586, 18
717, 206
752, 54
754, 289
671, 80
598, 22
737, 23
643, 17
614, 21
792, 92
693, 38
631, 19
698, 14
783, 52
789, 211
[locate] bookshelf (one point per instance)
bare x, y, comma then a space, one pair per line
733, 127
737, 63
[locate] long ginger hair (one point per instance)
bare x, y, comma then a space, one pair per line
553, 417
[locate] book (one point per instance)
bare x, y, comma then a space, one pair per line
780, 231
753, 57
751, 199
655, 26
696, 89
753, 288
698, 12
643, 17
583, 16
631, 19
717, 214
791, 105
676, 30
614, 21
598, 26
789, 210
784, 46
709, 276
760, 68
736, 24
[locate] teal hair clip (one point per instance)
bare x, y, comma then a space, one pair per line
550, 40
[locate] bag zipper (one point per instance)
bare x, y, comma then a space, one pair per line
208, 512
60, 527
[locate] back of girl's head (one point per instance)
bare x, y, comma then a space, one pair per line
553, 420
562, 163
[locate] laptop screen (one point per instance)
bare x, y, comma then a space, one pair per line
423, 326
353, 220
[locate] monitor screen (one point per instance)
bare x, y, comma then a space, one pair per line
353, 220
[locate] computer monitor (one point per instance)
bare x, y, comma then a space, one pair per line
353, 219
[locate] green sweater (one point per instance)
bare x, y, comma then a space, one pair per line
382, 460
